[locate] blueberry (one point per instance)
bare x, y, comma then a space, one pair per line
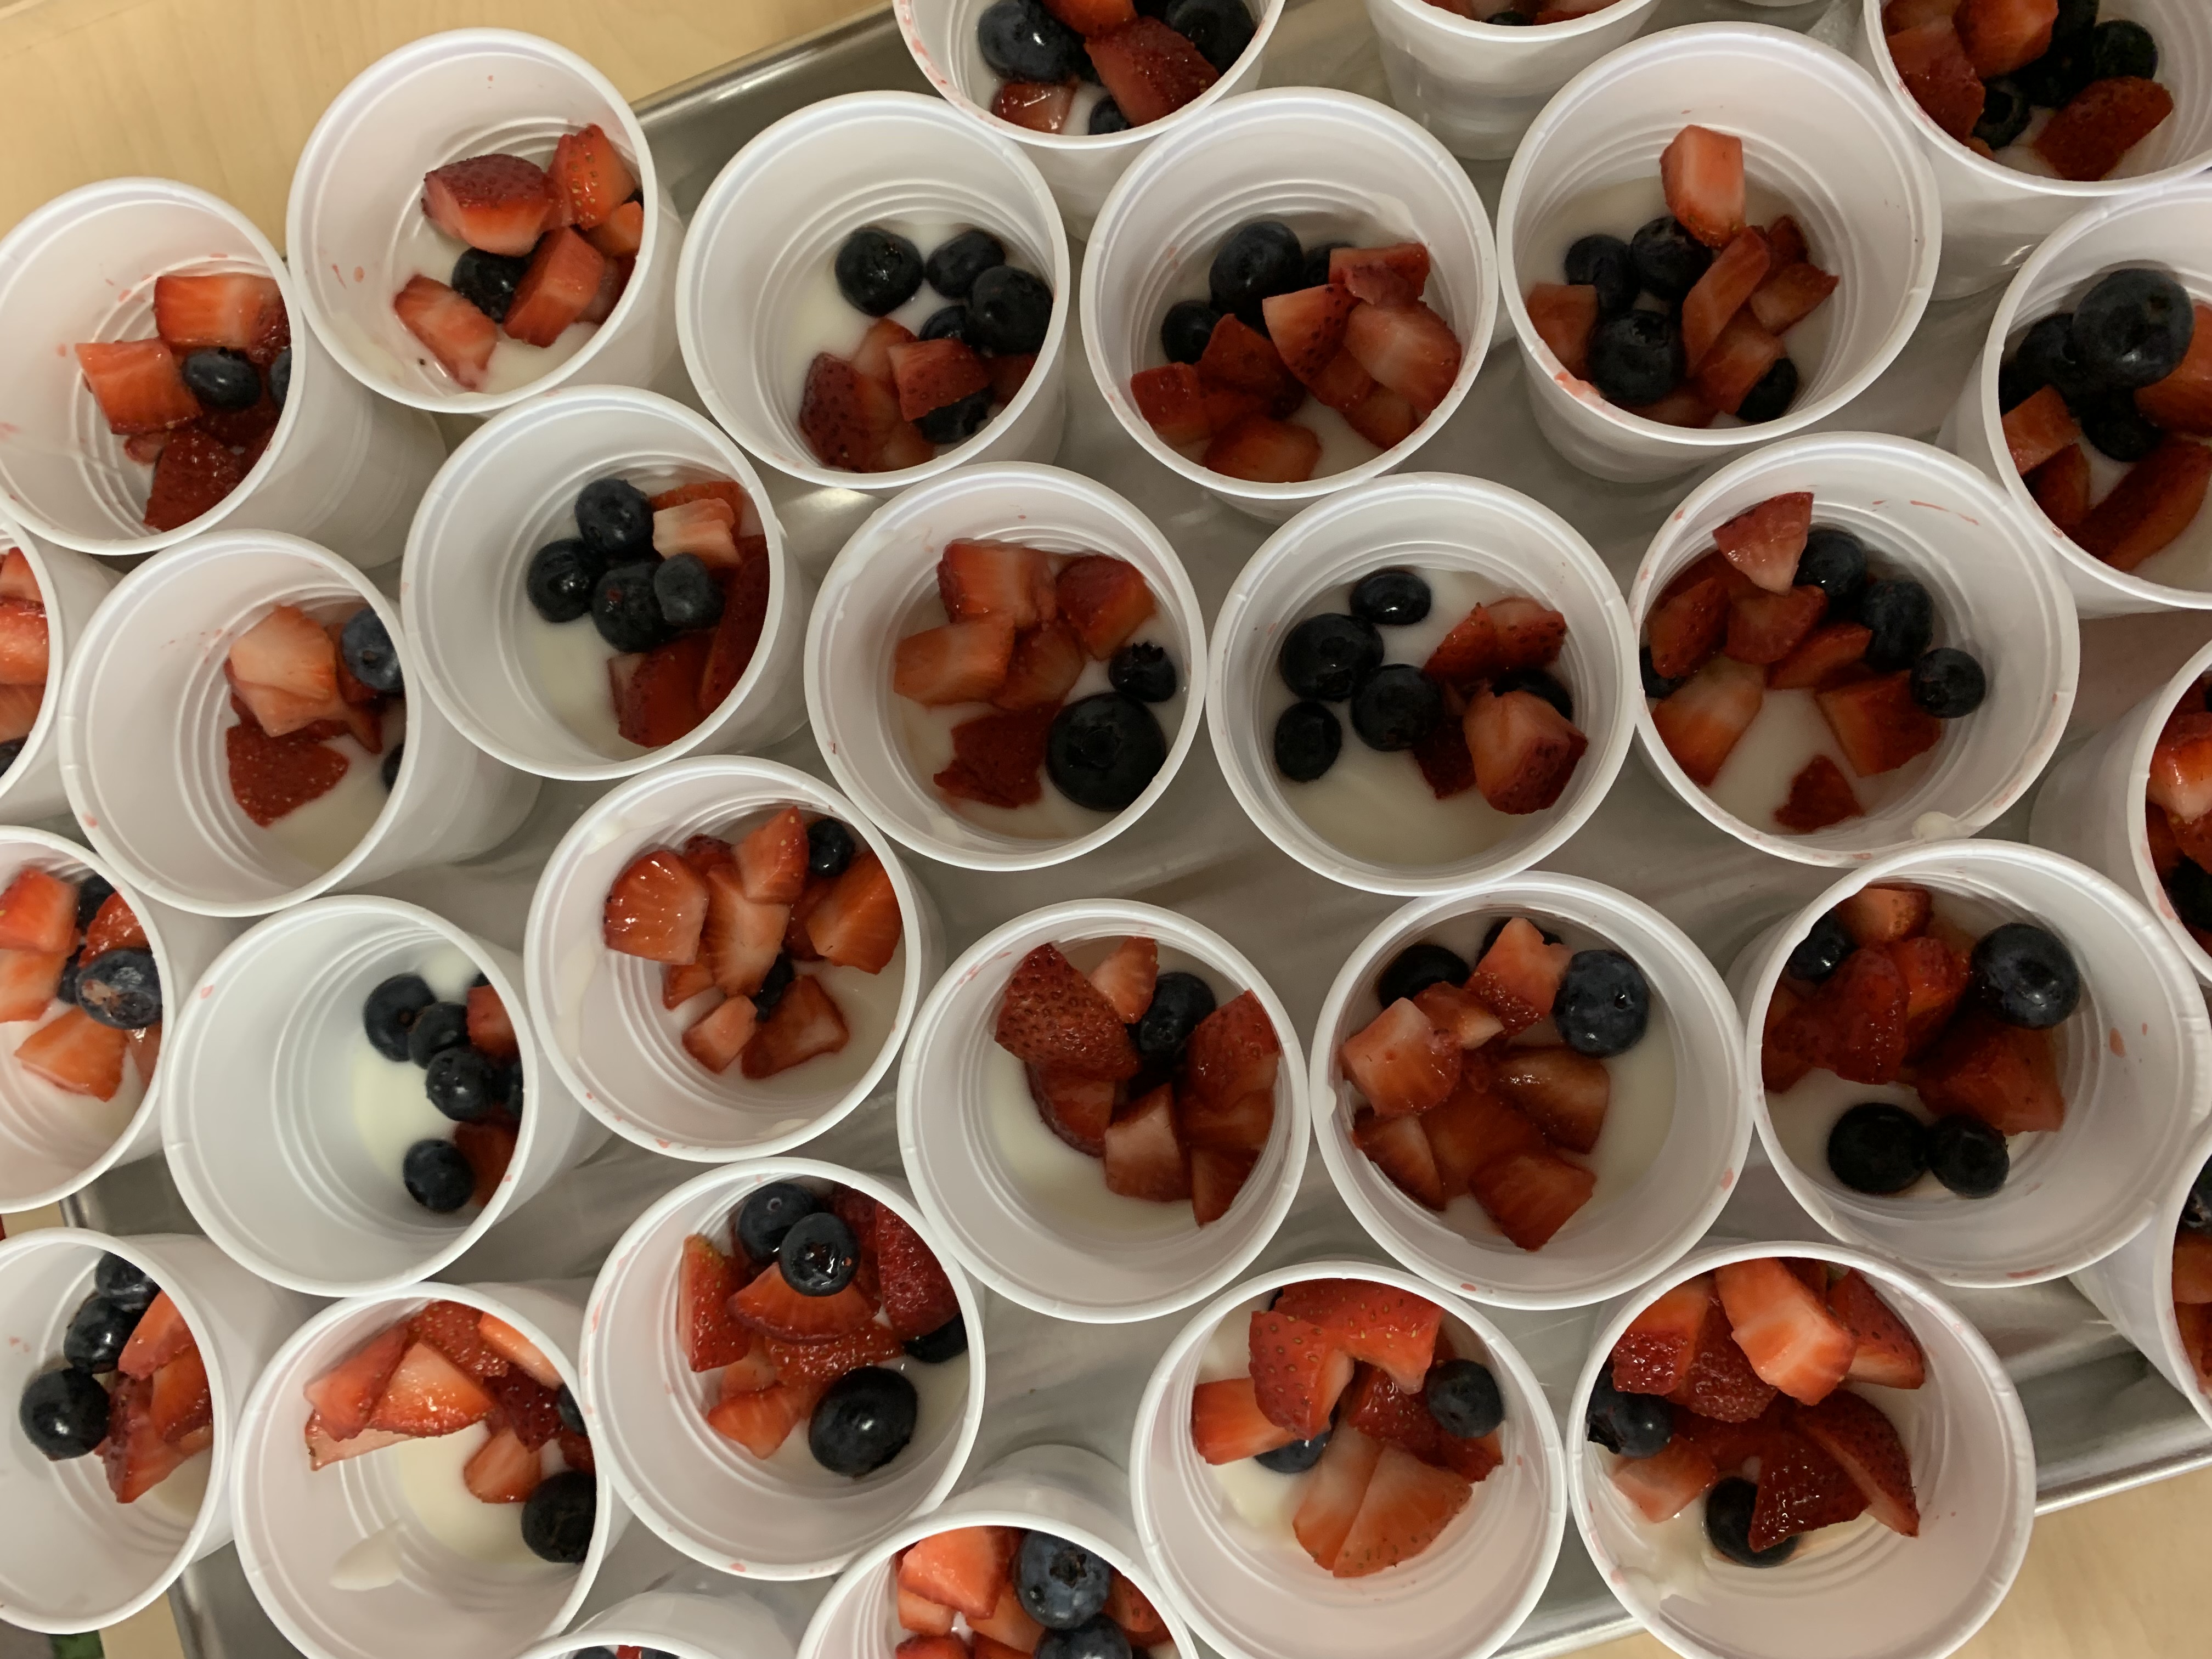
1106, 117
1655, 684
1822, 951
1636, 358
957, 422
781, 973
1395, 706
2015, 384
1023, 41
280, 378
1770, 399
1417, 967
1967, 1156
2133, 328
1948, 683
2122, 48
1604, 262
1185, 329
830, 847
625, 610
2005, 112
65, 986
1059, 1583
370, 656
570, 1414
221, 379
1315, 272
2026, 975
1143, 671
1903, 618
686, 591
461, 1082
769, 1213
863, 1421
1009, 312
1324, 657
121, 988
1395, 598
561, 577
1537, 684
437, 1176
614, 518
948, 1341
1179, 1002
1464, 1397
1103, 751
9, 752
92, 891
818, 1254
953, 266
558, 1518
389, 770
1668, 260
1835, 561
96, 1333
487, 280
1603, 1003
946, 322
2117, 428
124, 1283
1727, 1525
1643, 1423
1220, 29
2047, 356
440, 1026
2052, 80
1308, 739
877, 270
1296, 1457
1258, 261
1508, 19
63, 1413
506, 1090
2075, 17
1598, 1412
1098, 1638
2196, 1209
2190, 887
1877, 1147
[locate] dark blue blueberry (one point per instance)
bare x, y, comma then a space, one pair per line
1324, 657
1258, 261
462, 1083
1727, 1525
558, 1518
570, 1414
487, 280
1633, 1424
1948, 683
863, 1421
958, 421
1821, 952
124, 1283
1877, 1147
614, 518
121, 988
440, 1026
2133, 328
96, 1333
2117, 429
280, 378
1103, 751
830, 847
1537, 684
508, 1090
953, 266
1395, 598
389, 770
2122, 48
1009, 312
1185, 329
1903, 618
437, 1176
222, 378
1770, 399
781, 973
1023, 41
1395, 706
1967, 1156
877, 270
2052, 81
1597, 1411
2075, 18
2005, 113
2015, 384
1604, 262
63, 1413
2197, 1208
561, 577
2026, 975
1636, 358
1603, 1003
686, 591
946, 322
1835, 561
1655, 684
626, 610
1464, 1397
1315, 272
1059, 1583
1143, 671
1668, 260
1097, 1638
769, 1212
1308, 739
818, 1254
2046, 357
1220, 29
1296, 1457
1179, 1002
92, 892
2190, 887
948, 1341
1106, 117
1417, 967
370, 656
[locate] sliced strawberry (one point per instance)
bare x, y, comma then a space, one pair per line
1384, 418
324, 1448
182, 1402
1395, 1330
1728, 284
1702, 720
1653, 1355
2166, 854
805, 1023
1264, 451
1801, 1489
1244, 1124
1127, 977
656, 908
1819, 654
2156, 501
1398, 1147
1240, 358
831, 417
1519, 974
38, 911
1149, 70
2181, 778
620, 234
1529, 632
1765, 628
857, 924
527, 1359
1886, 1352
16, 580
1037, 106
1105, 599
749, 1374
1688, 627
345, 1397
563, 277
1885, 911
956, 662
741, 940
1400, 1062
1298, 1370
272, 776
1459, 1014
1475, 1126
2006, 1075
428, 1395
1877, 724
138, 386
1854, 1026
2093, 133
1820, 796
1471, 652
1765, 541
1790, 295
1144, 1157
1052, 1016
2038, 427
194, 474
451, 329
1738, 361
917, 1296
502, 1470
1406, 1507
705, 528
761, 1421
227, 309
1005, 579
1408, 348
456, 1330
1408, 262
1666, 1483
931, 374
1127, 1607
1308, 327
491, 1032
1935, 70
1531, 1195
1785, 1329
1172, 400
29, 980
771, 860
1854, 1433
964, 1568
19, 710
159, 1337
1217, 1175
998, 759
656, 694
1702, 172
1380, 1410
1007, 1630
135, 1457
1077, 1109
2061, 487
75, 1053
2181, 401
745, 611
924, 1617
1685, 406
1334, 1492
1566, 1093
1524, 750
1721, 1383
285, 669
2003, 35
820, 1364
1233, 1051
770, 1306
1564, 316
718, 1037
1009, 373
590, 172
497, 202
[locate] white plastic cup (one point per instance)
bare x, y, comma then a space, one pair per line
2135, 1063
53, 1144
1974, 1476
1609, 1246
259, 1121
70, 586
1816, 130
1441, 522
1461, 1598
2169, 228
2092, 806
71, 1558
1065, 1491
684, 1624
508, 489
1008, 1232
775, 216
1477, 87
889, 567
647, 1409
2133, 1286
1922, 514
341, 466
296, 1523
354, 223
1324, 161
144, 705
598, 1012
1995, 215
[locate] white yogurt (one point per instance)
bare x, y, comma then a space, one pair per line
566, 662
428, 1474
390, 1110
70, 1118
177, 1496
325, 829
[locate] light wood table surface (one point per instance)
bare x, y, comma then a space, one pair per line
222, 94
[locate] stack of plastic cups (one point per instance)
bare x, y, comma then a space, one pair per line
2133, 1286
1079, 167
70, 586
889, 570
1329, 165
71, 1557
681, 1623
1994, 214
1815, 130
146, 703
771, 223
509, 489
780, 1517
1001, 1219
356, 230
342, 465
341, 1560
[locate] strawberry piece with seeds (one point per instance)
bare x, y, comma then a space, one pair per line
194, 474
1005, 579
1400, 1062
500, 204
491, 1030
1790, 295
656, 694
2181, 778
918, 1297
1785, 1328
1037, 106
856, 924
38, 911
1052, 1016
1854, 1433
1127, 1607
1307, 327
718, 1037
1531, 1195
1242, 1124
1529, 633
1566, 1093
1702, 173
1238, 357
1801, 1489
345, 1397
805, 1023
2000, 36
924, 1617
160, 1336
656, 909
1738, 361
1765, 628
182, 1403
770, 1306
1877, 724
706, 528
272, 776
1564, 316
1524, 750
1405, 1509
29, 980
1886, 1352
1357, 268
1263, 451
2094, 133
1854, 1026
430, 1395
744, 612
285, 669
502, 1470
1459, 1013
2038, 427
231, 309
620, 234
1399, 1148
1217, 1175
1726, 287
771, 860
1226, 1422
1819, 654
1233, 1051
964, 1568
1298, 1370
1143, 1157
456, 1330
1721, 1383
761, 1421
1686, 630
1149, 70
1409, 349
2061, 487
1518, 976
1126, 978
1820, 796
1105, 600
590, 172
820, 1364
956, 662
2147, 509
1171, 398
2006, 1075
135, 1457
138, 386
1932, 61
1469, 653
451, 329
831, 417
1381, 1325
1766, 540
1663, 1485
931, 374
1333, 1495
1653, 1355
563, 280
998, 759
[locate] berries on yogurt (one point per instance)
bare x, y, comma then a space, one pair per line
24, 657
470, 1062
1299, 361
1731, 1387
2192, 1277
2178, 811
2039, 85
314, 701
79, 985
1100, 66
991, 1592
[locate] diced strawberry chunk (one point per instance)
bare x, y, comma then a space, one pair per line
2158, 499
1172, 401
832, 417
137, 1459
2192, 1269
1702, 720
1308, 326
1790, 295
1820, 654
1217, 1175
1406, 1507
1738, 361
2181, 401
2061, 488
762, 1420
1887, 1352
1877, 724
1565, 315
1398, 1147
1885, 911
497, 202
344, 1396
1143, 1157
1381, 1325
956, 662
1933, 64
931, 374
1766, 540
2181, 778
1105, 599
1685, 406
1468, 653
1854, 1026
771, 860
1126, 978
19, 710
452, 330
1663, 1485
430, 1395
1566, 1093
820, 1364
1264, 451
1801, 1489
918, 1297
38, 911
1702, 172
1408, 348
227, 309
2100, 125
924, 1617
1405, 264
805, 1023
1764, 627
1519, 974
590, 172
719, 1037
1474, 1127
527, 1359
2003, 35
857, 924
1149, 70
621, 233
29, 980
1685, 630
1653, 1355
1727, 285
1786, 240
182, 1402
997, 759
1051, 1015
271, 776
2006, 1075
656, 697
1128, 1608
1458, 1014
1401, 1063
1226, 1422
16, 580
138, 386
1037, 106
1333, 1493
1524, 750
1721, 1383
1383, 418
562, 279
964, 1568
1531, 1195
1240, 358
502, 1470
1854, 1433
2038, 427
656, 909
1005, 579
770, 1306
1529, 632
706, 528
75, 1053
1820, 796
1785, 1329
1297, 1369
1241, 1124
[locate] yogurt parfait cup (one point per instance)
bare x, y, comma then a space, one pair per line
682, 1620
2133, 1287
70, 586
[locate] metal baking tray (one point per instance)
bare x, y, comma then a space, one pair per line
2103, 1419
